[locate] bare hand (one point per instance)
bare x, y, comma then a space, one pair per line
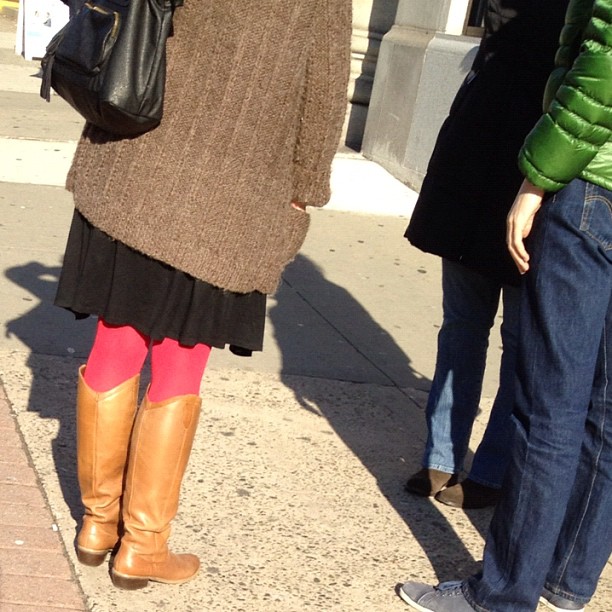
520, 221
299, 206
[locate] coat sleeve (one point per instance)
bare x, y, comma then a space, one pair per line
579, 120
324, 103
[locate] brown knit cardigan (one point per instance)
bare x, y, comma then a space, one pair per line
255, 100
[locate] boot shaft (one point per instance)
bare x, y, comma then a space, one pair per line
159, 452
104, 425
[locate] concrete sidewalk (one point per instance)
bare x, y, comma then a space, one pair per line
293, 497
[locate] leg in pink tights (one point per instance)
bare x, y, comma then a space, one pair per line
118, 354
161, 442
176, 369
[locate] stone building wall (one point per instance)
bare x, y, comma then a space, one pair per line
409, 58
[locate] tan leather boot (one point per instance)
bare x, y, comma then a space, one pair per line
159, 451
104, 425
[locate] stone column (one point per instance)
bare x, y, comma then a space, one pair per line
372, 19
423, 59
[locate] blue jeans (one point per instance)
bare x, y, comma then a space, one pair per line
553, 525
470, 302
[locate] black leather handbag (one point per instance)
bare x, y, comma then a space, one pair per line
109, 63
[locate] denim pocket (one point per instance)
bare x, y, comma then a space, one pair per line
596, 218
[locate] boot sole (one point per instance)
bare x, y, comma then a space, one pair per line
552, 606
463, 505
92, 558
133, 583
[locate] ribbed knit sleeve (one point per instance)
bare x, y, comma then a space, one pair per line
324, 103
579, 123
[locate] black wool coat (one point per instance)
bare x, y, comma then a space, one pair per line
472, 176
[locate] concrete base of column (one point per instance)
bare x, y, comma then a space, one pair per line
417, 76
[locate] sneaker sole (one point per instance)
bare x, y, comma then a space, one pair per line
411, 602
551, 606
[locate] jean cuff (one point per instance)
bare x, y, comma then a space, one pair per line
469, 597
557, 590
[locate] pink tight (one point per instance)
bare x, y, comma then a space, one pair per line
119, 352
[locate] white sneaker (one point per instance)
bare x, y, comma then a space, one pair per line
559, 603
446, 597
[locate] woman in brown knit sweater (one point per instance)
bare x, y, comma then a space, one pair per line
177, 237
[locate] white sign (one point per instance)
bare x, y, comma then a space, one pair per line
37, 23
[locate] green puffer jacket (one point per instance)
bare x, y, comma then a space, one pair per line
574, 138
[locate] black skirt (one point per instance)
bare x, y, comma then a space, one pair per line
104, 277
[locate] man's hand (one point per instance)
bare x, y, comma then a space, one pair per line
520, 220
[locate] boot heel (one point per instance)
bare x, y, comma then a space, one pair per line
93, 559
128, 583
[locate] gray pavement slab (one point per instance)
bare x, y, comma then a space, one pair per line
316, 326
35, 162
28, 116
293, 498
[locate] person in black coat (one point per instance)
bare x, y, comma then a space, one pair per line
460, 215
74, 6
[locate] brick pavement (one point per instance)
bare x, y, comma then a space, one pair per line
35, 573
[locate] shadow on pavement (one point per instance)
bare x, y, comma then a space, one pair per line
387, 438
385, 432
45, 329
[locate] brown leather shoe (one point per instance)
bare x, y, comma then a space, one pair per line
428, 482
469, 495
159, 451
104, 424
